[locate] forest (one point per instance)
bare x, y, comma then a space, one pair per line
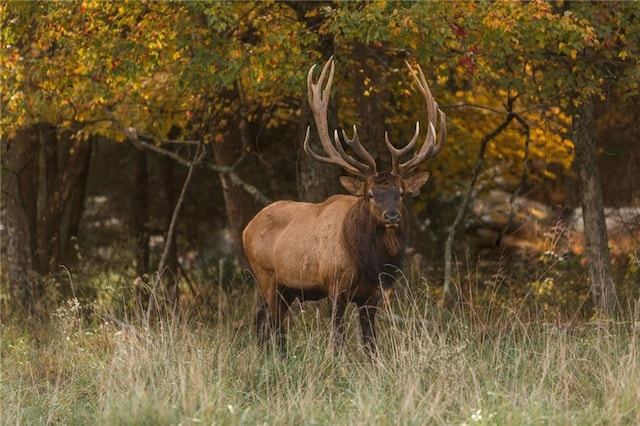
139, 138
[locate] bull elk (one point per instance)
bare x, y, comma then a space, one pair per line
349, 247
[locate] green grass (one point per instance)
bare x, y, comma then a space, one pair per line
433, 368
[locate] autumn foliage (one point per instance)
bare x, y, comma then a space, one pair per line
163, 77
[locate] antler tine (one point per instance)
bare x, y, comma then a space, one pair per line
429, 148
357, 164
319, 103
397, 153
356, 146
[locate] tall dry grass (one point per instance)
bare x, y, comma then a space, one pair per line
434, 367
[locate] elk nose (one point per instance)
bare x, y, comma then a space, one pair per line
391, 217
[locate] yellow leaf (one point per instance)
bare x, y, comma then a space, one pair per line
623, 54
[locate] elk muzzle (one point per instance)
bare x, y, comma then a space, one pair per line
391, 218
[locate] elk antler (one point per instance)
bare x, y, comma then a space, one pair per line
319, 102
429, 147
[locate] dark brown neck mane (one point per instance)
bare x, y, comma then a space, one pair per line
378, 251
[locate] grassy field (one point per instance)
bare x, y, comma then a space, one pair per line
434, 367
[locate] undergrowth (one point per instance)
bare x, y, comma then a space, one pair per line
470, 365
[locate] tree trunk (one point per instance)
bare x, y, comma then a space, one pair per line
240, 206
20, 190
140, 210
40, 182
169, 180
595, 232
371, 72
316, 181
65, 172
69, 227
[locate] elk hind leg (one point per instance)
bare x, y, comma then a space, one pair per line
270, 317
263, 325
338, 307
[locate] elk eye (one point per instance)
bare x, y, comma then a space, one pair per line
369, 195
401, 192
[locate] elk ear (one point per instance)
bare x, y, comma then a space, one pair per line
413, 184
352, 185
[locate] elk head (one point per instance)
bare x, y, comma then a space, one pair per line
382, 191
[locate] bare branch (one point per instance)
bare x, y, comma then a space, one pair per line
141, 144
255, 192
147, 142
448, 290
523, 176
176, 210
172, 225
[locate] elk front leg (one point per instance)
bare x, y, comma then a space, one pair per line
367, 313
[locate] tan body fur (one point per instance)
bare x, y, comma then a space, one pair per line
301, 246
